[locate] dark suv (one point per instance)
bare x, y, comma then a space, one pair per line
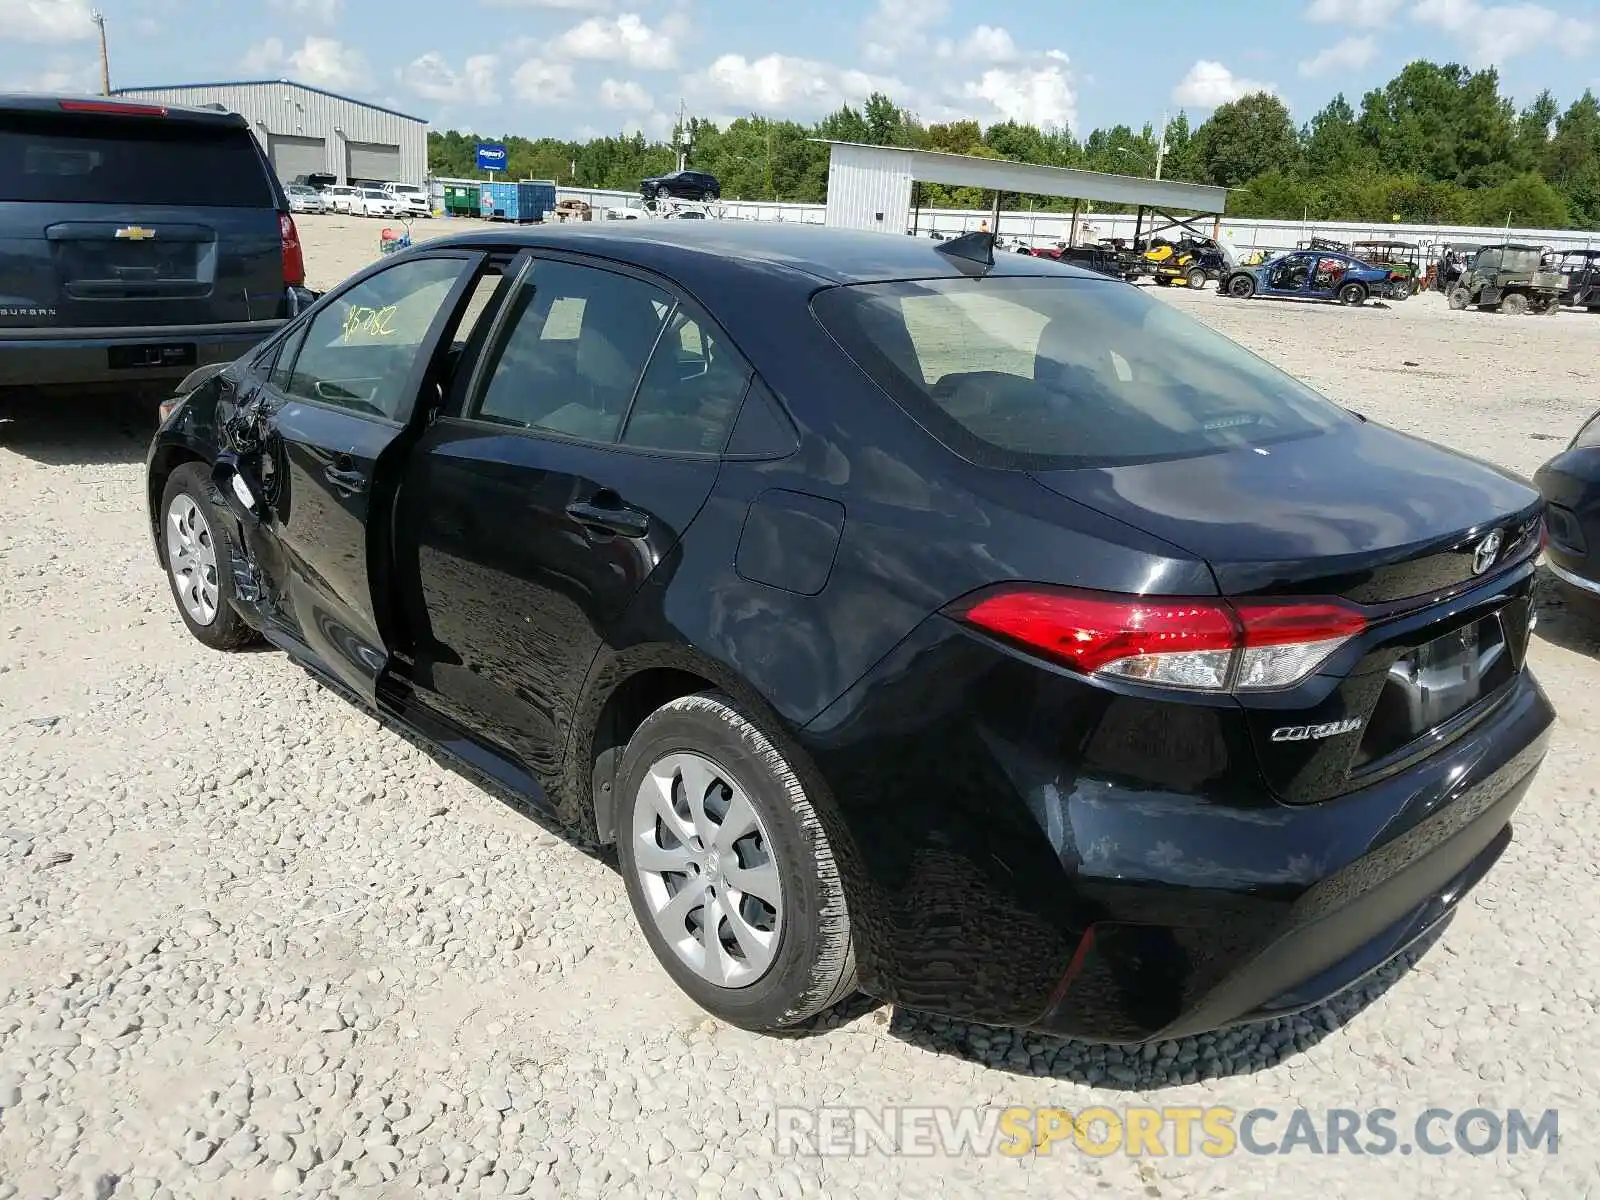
682, 185
137, 242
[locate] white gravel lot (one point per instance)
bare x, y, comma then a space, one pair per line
253, 943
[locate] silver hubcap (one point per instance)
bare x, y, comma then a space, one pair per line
705, 864
192, 558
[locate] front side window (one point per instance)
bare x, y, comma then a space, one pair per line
1046, 373
573, 350
360, 351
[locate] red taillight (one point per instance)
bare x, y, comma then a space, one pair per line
113, 107
1198, 643
294, 259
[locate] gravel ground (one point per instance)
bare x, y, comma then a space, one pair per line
253, 943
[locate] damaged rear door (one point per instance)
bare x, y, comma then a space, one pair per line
329, 420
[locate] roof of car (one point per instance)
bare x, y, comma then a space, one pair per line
17, 102
828, 255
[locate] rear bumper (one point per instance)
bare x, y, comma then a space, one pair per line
136, 358
996, 875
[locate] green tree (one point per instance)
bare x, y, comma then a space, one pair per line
1251, 136
1334, 144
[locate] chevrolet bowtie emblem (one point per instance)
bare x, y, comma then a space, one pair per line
135, 233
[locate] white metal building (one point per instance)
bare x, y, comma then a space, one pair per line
306, 130
869, 187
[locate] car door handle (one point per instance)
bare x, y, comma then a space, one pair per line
346, 479
617, 519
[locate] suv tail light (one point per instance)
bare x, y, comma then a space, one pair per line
1196, 643
294, 259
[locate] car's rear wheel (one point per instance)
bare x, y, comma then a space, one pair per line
729, 871
1197, 278
199, 556
1514, 304
1460, 298
1352, 294
1241, 287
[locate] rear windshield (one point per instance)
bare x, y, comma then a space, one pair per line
1055, 373
128, 160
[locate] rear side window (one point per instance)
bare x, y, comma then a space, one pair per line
68, 159
1055, 373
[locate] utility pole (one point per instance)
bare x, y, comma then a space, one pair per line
105, 59
1161, 150
683, 134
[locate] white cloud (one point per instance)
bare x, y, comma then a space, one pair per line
625, 94
986, 43
900, 27
1040, 96
1349, 55
61, 75
542, 82
431, 77
1209, 84
566, 5
322, 61
782, 85
1493, 33
622, 39
45, 20
322, 12
1368, 14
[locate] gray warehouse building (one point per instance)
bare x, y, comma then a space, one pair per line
307, 130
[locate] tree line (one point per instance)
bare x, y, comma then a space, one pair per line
1436, 144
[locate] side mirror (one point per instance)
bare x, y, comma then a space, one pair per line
241, 489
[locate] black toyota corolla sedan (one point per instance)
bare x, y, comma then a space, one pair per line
973, 631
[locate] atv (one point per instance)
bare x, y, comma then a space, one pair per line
1194, 262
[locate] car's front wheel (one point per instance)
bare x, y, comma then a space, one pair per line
1241, 287
199, 557
1352, 294
729, 871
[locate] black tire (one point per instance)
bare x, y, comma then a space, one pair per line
1460, 299
814, 964
1163, 281
1196, 278
1241, 287
1514, 304
226, 630
1353, 294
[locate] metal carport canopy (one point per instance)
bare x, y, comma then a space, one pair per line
997, 174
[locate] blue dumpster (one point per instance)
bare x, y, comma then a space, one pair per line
524, 201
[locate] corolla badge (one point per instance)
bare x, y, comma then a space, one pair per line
1315, 733
1486, 552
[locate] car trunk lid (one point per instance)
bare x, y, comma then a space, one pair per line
1434, 550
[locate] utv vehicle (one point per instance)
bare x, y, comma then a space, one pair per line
1403, 259
1323, 244
1580, 279
1510, 278
1103, 259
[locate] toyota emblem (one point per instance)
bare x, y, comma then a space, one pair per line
1486, 552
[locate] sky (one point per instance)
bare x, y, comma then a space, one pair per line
577, 68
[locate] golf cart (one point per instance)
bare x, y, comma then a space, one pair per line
1192, 261
1580, 279
1511, 279
1403, 259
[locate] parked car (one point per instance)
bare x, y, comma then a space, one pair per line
1308, 275
1510, 279
137, 241
303, 199
1190, 699
317, 181
1570, 483
1580, 279
682, 185
342, 199
411, 199
371, 202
